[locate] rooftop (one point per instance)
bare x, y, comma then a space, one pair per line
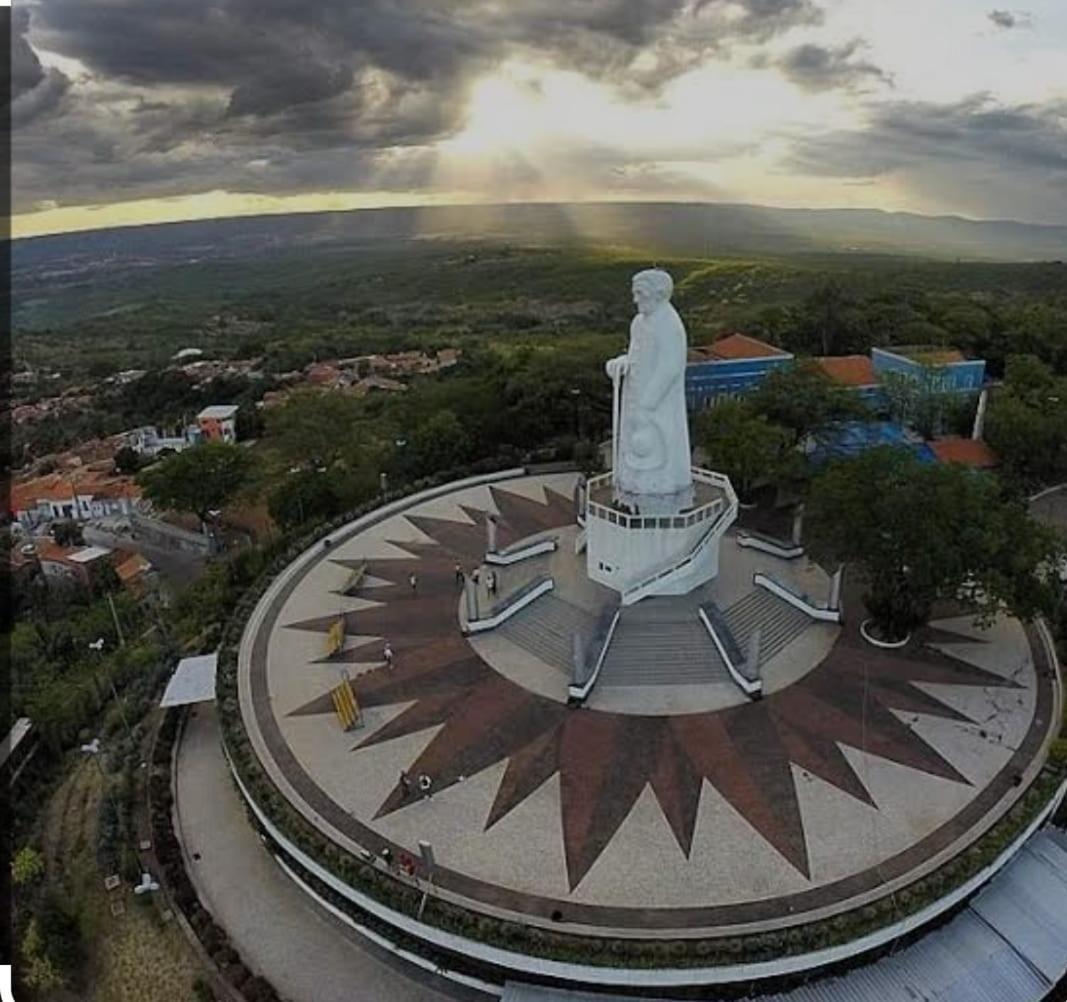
739, 346
88, 554
848, 370
26, 494
218, 412
965, 451
928, 354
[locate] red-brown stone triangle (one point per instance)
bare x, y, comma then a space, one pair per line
604, 766
742, 756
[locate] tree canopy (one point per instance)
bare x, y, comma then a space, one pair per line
744, 445
200, 479
920, 533
804, 400
1027, 423
315, 429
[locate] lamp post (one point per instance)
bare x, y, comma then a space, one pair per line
576, 395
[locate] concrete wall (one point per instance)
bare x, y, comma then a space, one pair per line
172, 537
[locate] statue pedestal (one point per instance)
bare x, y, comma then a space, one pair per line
669, 554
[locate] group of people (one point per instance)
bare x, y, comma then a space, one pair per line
476, 577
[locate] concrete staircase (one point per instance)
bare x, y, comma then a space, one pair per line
546, 630
778, 621
660, 641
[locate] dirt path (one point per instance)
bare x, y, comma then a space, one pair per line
135, 956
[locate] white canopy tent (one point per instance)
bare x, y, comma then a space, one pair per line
193, 681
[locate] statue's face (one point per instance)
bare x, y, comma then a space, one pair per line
645, 299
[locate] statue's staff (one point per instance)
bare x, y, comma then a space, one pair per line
616, 419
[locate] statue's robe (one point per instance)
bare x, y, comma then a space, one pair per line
653, 472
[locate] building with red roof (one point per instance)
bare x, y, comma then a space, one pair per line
964, 451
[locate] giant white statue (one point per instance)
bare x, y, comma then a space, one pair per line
651, 434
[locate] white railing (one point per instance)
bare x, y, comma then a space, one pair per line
710, 510
637, 591
515, 554
815, 611
750, 687
756, 541
518, 601
579, 692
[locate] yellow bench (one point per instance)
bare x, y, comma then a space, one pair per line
346, 707
335, 637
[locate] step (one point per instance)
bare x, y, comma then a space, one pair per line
546, 630
779, 622
661, 646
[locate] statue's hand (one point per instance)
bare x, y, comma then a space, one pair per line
617, 366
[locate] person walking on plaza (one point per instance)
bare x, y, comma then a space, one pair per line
387, 654
414, 582
460, 576
490, 582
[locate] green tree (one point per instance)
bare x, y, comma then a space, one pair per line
865, 512
1027, 423
27, 867
804, 400
127, 460
439, 443
744, 445
200, 479
314, 429
919, 401
67, 533
39, 971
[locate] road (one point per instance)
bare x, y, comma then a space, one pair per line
307, 954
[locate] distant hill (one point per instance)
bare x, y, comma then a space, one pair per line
667, 228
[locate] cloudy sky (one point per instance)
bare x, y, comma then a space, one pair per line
150, 110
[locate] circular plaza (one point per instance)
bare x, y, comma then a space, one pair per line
405, 699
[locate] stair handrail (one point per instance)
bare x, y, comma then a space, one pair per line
816, 612
727, 514
727, 646
578, 691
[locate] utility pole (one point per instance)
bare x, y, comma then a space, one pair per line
98, 646
115, 617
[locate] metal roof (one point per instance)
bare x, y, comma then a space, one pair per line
14, 738
88, 554
219, 411
193, 681
1008, 945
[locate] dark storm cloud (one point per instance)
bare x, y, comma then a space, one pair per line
26, 69
200, 88
975, 156
975, 131
35, 90
1009, 19
270, 54
816, 67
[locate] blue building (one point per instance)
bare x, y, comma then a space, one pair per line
737, 364
943, 370
730, 367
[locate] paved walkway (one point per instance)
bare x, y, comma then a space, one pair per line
306, 953
871, 768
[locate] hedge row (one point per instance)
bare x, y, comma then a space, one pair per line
401, 897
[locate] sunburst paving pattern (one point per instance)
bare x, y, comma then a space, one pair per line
855, 698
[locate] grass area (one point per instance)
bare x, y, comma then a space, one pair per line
318, 302
132, 957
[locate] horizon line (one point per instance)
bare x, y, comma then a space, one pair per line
262, 213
